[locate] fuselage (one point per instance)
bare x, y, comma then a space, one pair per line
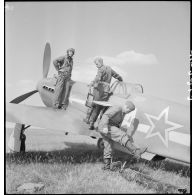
46, 89
162, 125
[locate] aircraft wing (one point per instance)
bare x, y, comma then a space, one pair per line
49, 118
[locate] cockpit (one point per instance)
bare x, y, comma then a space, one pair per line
124, 90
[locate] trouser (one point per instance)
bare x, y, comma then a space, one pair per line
96, 109
67, 94
89, 111
62, 91
117, 135
95, 113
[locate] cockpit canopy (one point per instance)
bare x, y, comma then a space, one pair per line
124, 90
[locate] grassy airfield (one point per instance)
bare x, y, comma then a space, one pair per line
72, 164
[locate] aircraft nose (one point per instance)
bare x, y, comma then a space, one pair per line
39, 85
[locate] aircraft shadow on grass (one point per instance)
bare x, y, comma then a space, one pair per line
80, 154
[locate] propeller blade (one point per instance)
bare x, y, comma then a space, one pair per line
46, 60
23, 97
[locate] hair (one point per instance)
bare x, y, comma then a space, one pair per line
98, 59
71, 49
130, 104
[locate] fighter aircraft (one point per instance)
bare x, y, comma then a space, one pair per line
162, 125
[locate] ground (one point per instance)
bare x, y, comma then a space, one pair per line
72, 164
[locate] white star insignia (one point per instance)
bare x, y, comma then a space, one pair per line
157, 121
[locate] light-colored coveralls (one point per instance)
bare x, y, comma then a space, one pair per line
112, 119
101, 85
64, 66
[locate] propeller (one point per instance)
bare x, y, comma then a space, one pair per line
46, 60
23, 97
46, 65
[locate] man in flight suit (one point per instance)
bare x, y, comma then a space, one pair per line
109, 127
64, 67
101, 85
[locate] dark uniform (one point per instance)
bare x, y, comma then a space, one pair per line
101, 85
64, 67
112, 119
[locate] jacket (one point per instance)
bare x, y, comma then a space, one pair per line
104, 77
64, 64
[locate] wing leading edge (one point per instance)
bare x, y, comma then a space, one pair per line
49, 118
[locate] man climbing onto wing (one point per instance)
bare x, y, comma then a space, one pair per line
64, 67
110, 129
101, 85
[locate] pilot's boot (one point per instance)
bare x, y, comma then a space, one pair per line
137, 152
112, 166
57, 106
107, 162
64, 107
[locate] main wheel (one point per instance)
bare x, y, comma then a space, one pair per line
100, 144
23, 139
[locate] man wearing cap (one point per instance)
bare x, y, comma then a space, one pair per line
110, 129
64, 67
101, 85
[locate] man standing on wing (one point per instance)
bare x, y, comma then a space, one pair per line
109, 127
101, 85
64, 67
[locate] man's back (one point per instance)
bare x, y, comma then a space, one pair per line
106, 73
113, 116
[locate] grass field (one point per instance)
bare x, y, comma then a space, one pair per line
72, 164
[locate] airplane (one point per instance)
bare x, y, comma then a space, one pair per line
161, 125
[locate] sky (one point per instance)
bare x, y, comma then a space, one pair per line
145, 42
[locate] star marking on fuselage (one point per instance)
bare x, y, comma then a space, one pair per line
161, 126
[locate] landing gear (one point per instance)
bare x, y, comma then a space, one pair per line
23, 138
100, 144
17, 138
